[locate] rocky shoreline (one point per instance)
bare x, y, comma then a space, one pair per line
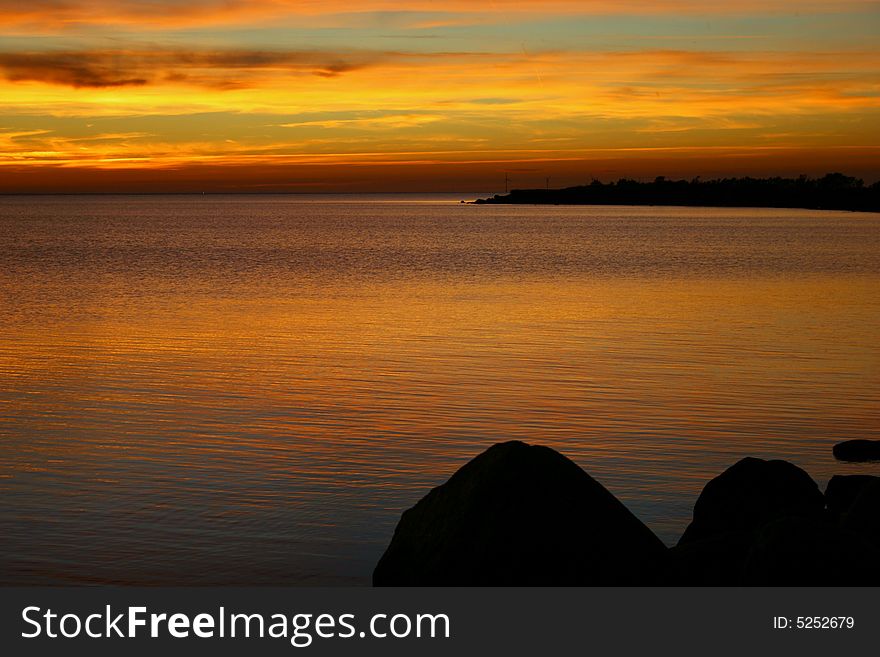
525, 515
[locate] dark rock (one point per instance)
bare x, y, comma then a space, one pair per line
748, 495
842, 491
800, 551
863, 516
519, 515
714, 561
767, 529
857, 450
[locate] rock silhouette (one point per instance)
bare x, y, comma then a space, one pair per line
729, 515
857, 450
525, 515
519, 514
751, 493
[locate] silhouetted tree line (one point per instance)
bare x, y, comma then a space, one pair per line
833, 191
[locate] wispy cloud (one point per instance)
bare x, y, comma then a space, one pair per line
385, 121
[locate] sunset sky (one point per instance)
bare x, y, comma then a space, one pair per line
384, 95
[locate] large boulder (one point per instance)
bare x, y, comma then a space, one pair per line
730, 513
521, 515
857, 450
751, 493
843, 490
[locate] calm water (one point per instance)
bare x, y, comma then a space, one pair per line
251, 389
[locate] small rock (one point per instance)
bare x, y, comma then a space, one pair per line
857, 450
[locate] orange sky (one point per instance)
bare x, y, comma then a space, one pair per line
384, 95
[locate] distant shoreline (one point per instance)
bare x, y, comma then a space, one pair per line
834, 191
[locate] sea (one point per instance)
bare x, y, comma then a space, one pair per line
250, 389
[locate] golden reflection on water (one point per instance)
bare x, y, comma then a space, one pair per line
252, 435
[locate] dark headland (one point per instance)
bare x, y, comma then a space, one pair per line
833, 191
525, 515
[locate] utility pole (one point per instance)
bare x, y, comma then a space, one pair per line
506, 183
547, 182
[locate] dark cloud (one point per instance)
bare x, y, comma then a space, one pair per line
336, 69
70, 69
222, 69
